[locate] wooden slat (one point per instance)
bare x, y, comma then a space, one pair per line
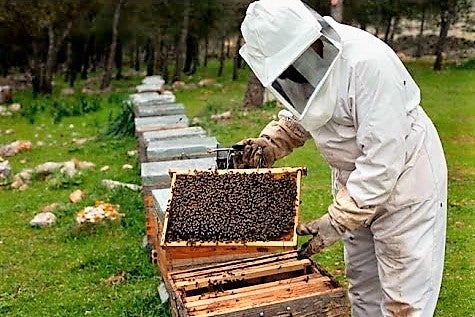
257, 297
244, 274
282, 243
297, 207
239, 264
249, 290
331, 303
274, 170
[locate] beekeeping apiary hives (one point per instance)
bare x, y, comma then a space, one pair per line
220, 215
270, 285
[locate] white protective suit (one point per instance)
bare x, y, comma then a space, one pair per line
365, 117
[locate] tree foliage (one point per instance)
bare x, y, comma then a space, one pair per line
172, 37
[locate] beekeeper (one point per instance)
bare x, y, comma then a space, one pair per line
349, 91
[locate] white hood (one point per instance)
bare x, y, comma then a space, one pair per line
278, 36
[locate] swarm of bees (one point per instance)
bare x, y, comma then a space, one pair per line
231, 207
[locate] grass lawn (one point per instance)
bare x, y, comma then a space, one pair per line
65, 270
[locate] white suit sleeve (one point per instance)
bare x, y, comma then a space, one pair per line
381, 124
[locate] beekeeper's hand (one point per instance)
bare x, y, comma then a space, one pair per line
256, 152
275, 141
343, 215
323, 234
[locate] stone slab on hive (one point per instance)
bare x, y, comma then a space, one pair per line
148, 88
151, 98
166, 109
184, 148
153, 80
160, 199
155, 174
173, 134
160, 123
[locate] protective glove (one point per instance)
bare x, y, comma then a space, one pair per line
343, 214
275, 141
323, 232
257, 152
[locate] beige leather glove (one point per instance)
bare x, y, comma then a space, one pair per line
323, 232
343, 214
275, 141
346, 215
257, 152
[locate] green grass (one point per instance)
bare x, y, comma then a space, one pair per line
62, 270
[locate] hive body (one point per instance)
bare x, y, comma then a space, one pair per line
270, 285
218, 215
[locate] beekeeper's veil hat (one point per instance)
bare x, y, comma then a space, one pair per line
278, 38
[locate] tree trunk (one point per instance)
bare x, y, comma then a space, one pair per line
160, 57
137, 58
150, 57
254, 96
222, 55
46, 86
205, 61
37, 69
106, 78
131, 53
228, 49
180, 47
395, 29
87, 56
68, 64
44, 72
118, 60
440, 46
165, 72
421, 34
389, 22
192, 53
77, 52
237, 57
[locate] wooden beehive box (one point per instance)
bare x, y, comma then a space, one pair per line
180, 254
270, 285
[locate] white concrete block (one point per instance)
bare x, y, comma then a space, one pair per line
155, 174
172, 134
148, 88
151, 98
153, 80
166, 109
184, 148
160, 123
160, 199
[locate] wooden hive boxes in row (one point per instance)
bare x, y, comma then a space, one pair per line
220, 215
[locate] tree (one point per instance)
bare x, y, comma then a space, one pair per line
237, 60
181, 43
46, 24
254, 95
107, 75
449, 13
